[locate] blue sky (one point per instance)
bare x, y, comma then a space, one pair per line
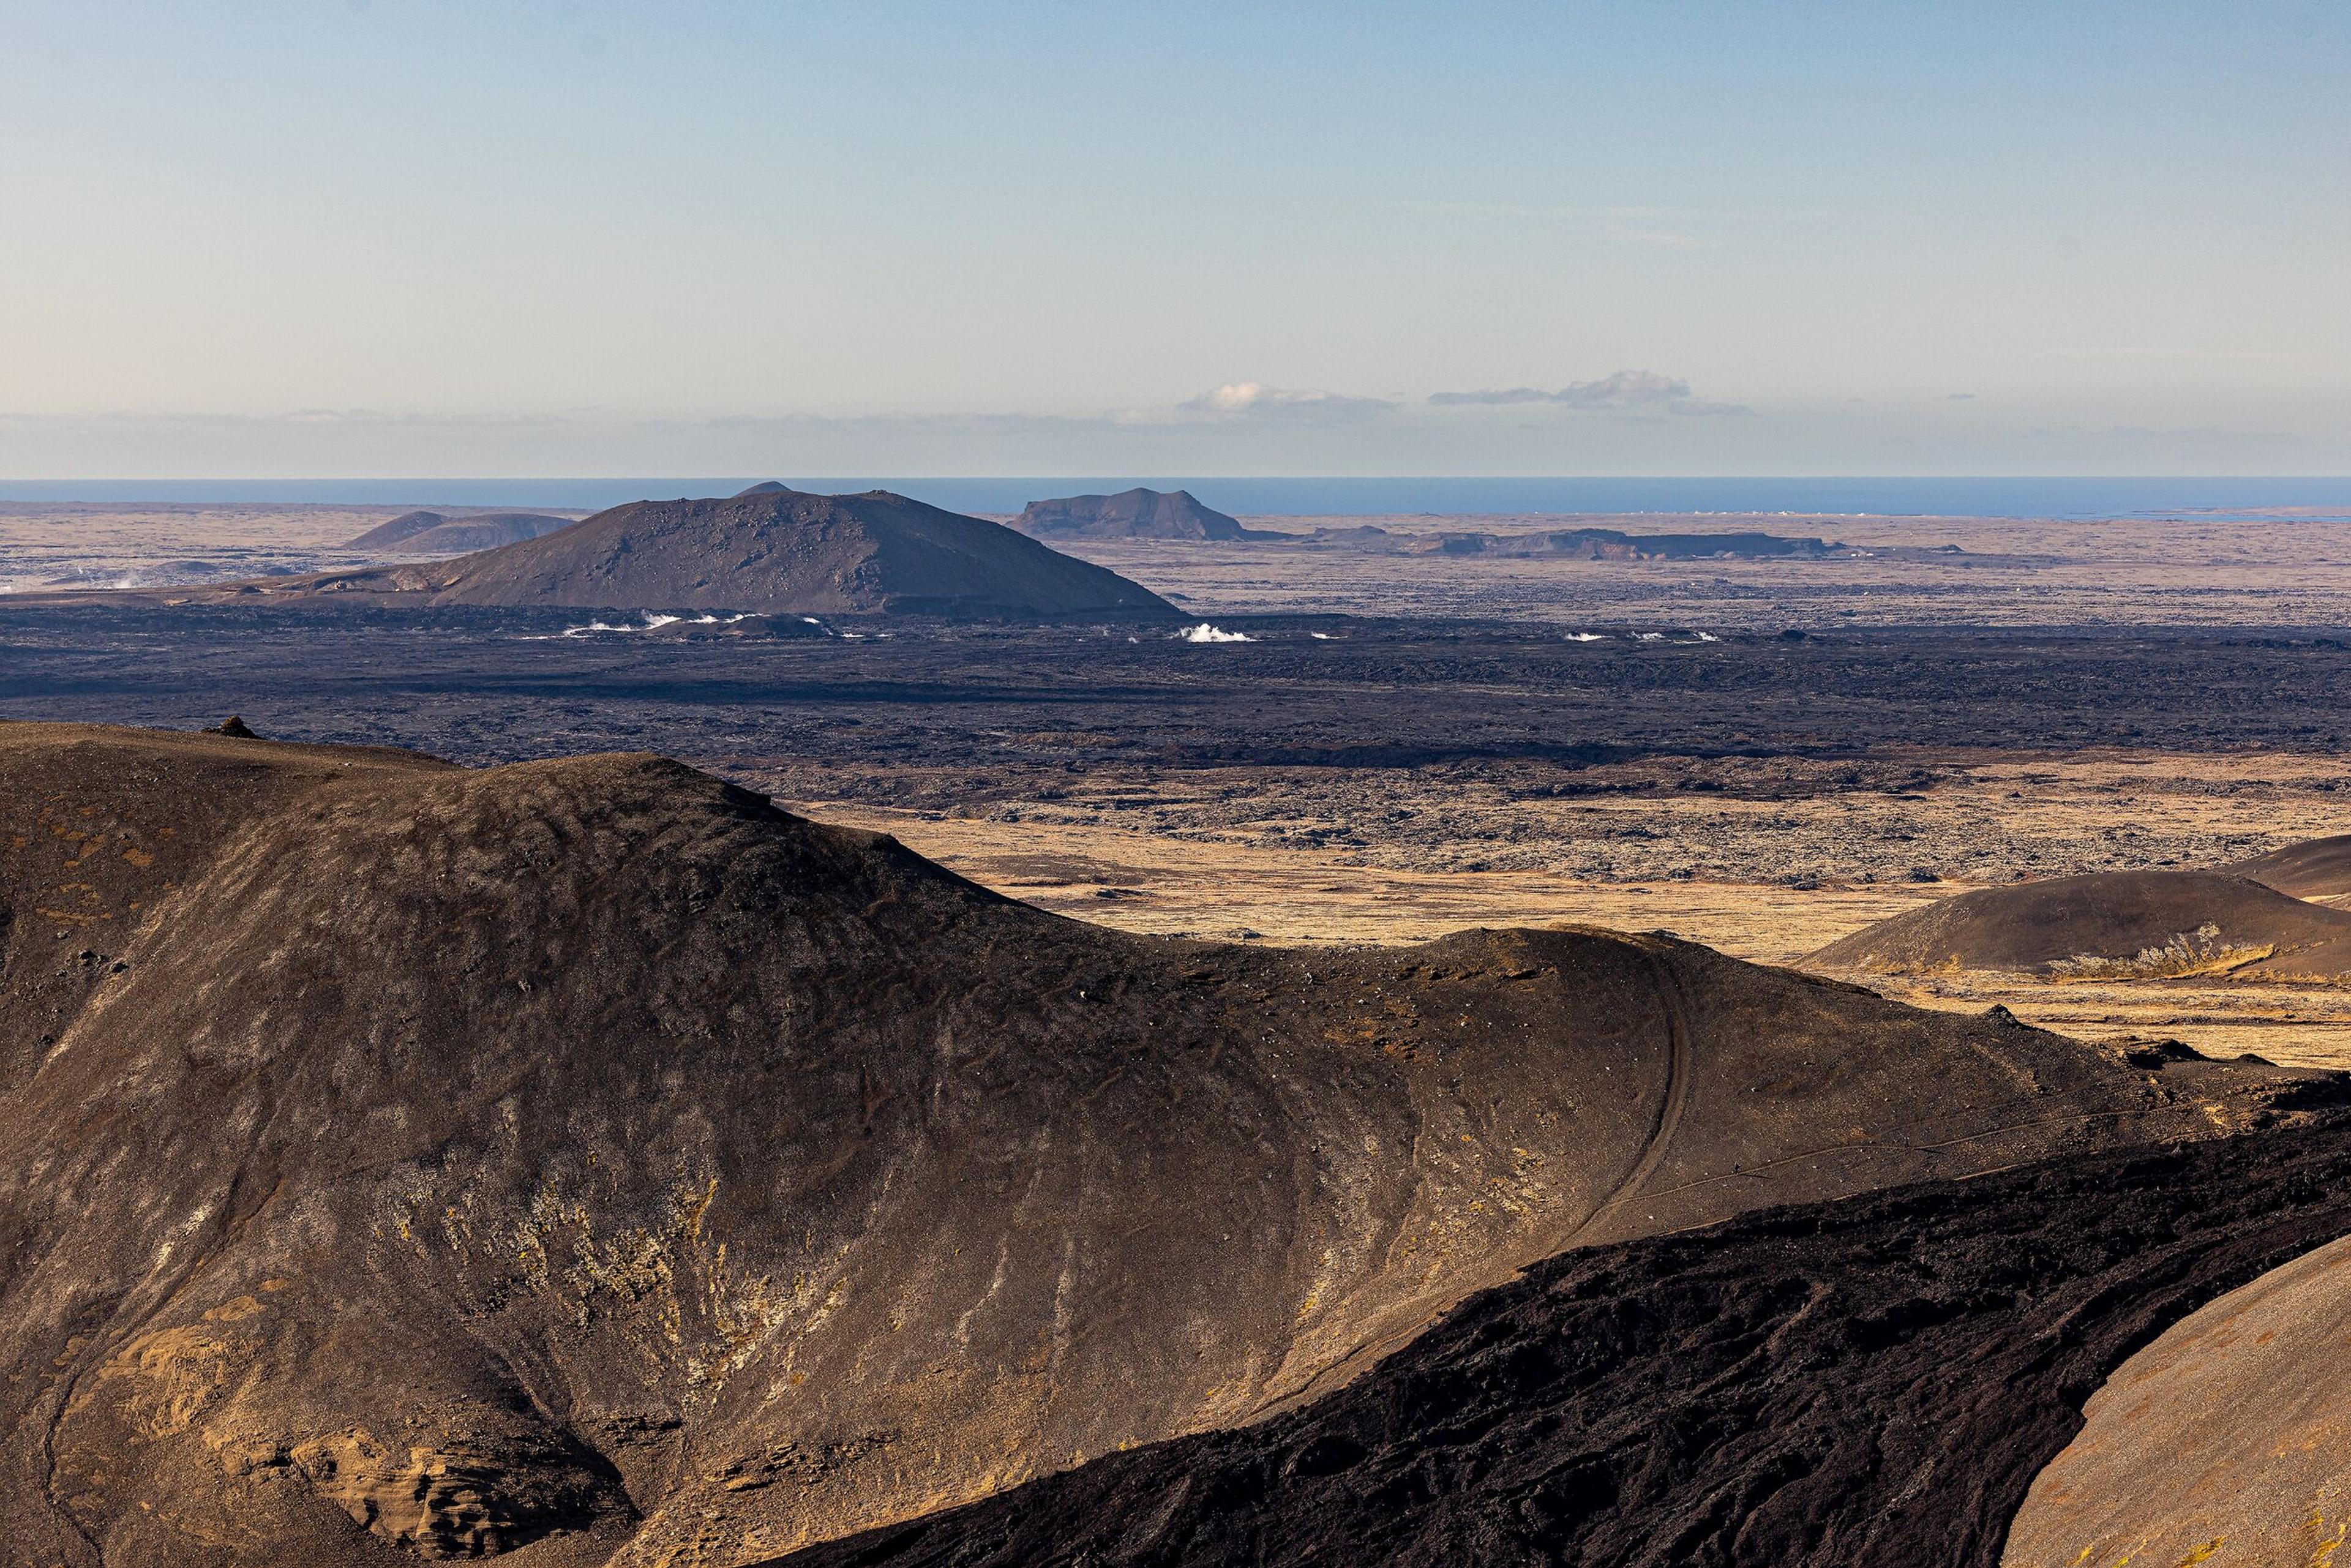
533, 237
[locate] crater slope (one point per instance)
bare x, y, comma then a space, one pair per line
588, 1162
2225, 1437
2132, 925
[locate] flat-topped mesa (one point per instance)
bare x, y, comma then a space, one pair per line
1136, 514
775, 551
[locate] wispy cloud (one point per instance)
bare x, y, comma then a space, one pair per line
1256, 400
1493, 397
1623, 392
1625, 388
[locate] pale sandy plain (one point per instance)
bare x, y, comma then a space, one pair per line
1768, 880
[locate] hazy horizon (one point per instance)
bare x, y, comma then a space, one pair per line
565, 239
2105, 496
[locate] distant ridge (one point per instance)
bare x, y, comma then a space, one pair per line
1136, 514
773, 551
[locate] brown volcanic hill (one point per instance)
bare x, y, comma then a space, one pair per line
2314, 868
589, 1160
1136, 514
775, 552
2127, 924
436, 533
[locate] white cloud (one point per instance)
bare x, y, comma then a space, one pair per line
1625, 388
1495, 398
1254, 399
1623, 392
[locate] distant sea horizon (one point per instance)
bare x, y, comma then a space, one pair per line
2117, 496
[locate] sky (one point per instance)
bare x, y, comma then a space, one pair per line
1660, 236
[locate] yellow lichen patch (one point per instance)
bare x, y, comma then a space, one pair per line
2200, 1555
2200, 952
174, 1374
230, 1311
2323, 1556
689, 1202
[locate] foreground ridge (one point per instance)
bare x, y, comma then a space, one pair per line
583, 1154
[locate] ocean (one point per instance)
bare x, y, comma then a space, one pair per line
1303, 496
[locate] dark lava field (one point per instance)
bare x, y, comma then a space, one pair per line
496, 685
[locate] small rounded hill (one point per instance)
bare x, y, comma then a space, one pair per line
777, 551
2145, 924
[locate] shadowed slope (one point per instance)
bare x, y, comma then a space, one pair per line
2135, 925
588, 1161
777, 552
